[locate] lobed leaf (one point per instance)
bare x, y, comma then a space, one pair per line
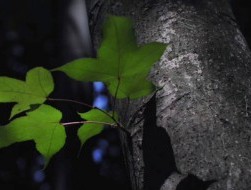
120, 64
89, 130
38, 85
42, 126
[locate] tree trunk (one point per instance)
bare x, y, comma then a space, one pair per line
193, 133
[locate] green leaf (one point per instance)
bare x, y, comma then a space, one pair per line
89, 130
121, 64
38, 85
42, 126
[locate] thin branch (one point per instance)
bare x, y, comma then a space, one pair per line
96, 122
72, 101
84, 104
84, 122
118, 125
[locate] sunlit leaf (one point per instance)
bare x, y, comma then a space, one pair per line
121, 64
42, 126
96, 117
38, 85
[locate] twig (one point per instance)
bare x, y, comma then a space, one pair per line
83, 122
84, 104
96, 122
118, 125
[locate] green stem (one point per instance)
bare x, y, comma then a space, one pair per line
115, 97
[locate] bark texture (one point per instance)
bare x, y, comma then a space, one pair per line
195, 132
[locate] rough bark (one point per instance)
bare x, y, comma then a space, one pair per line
194, 132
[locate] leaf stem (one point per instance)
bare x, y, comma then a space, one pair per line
83, 104
119, 125
115, 96
72, 101
96, 122
84, 122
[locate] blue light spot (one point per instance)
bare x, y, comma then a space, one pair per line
38, 176
99, 86
97, 155
101, 102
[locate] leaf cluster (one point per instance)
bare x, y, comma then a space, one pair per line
121, 64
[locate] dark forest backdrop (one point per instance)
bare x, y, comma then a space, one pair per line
32, 33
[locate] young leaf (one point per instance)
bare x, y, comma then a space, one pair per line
38, 85
89, 130
42, 126
121, 64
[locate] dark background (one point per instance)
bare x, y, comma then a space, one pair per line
30, 36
